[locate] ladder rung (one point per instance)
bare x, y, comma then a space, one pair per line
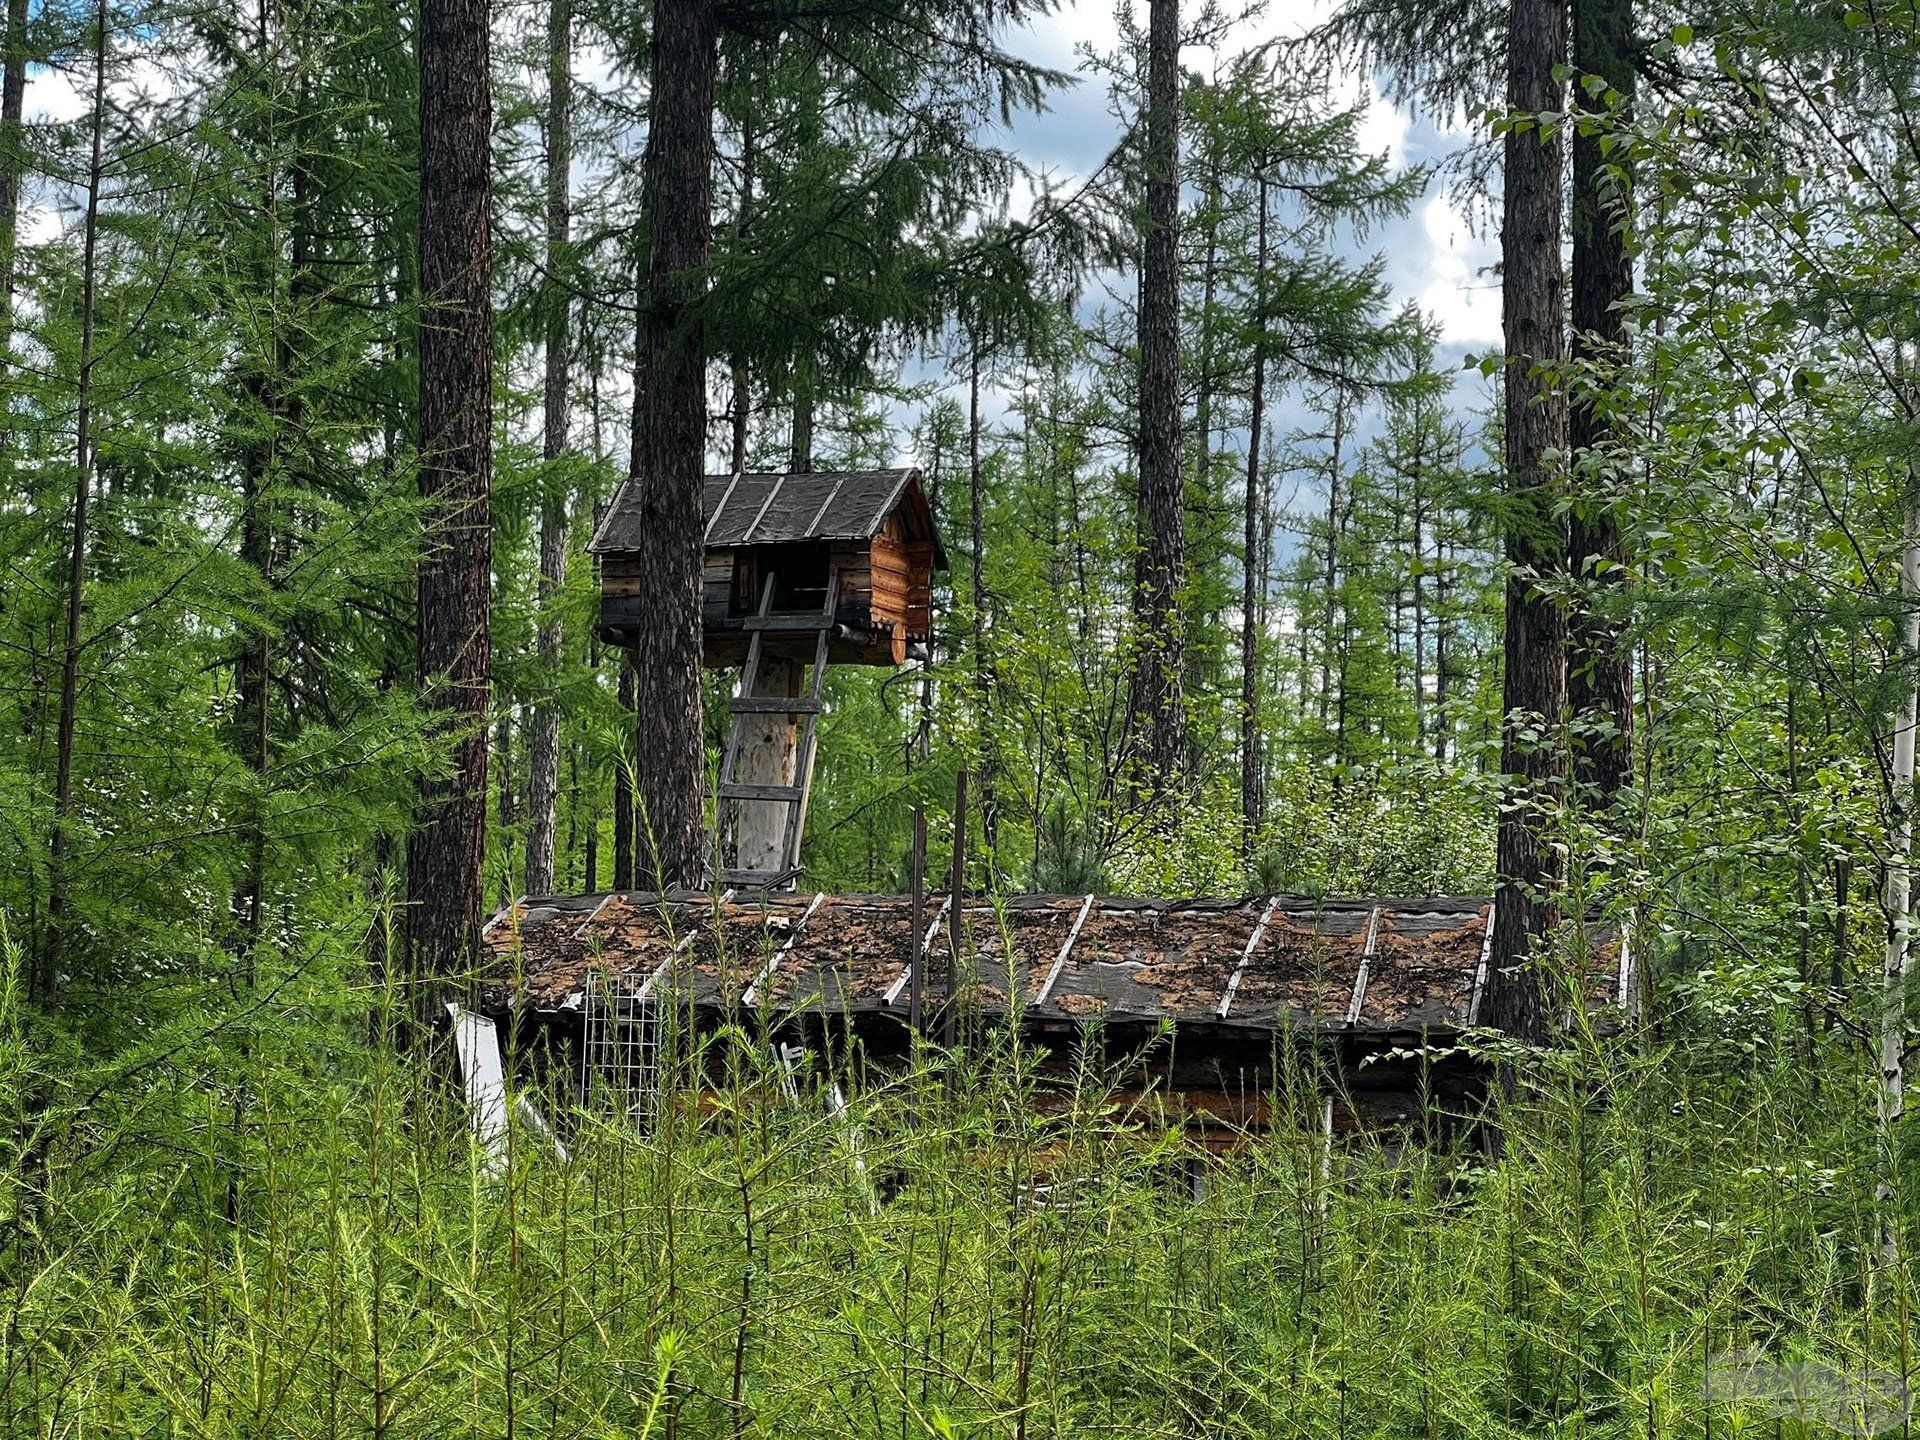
806, 620
789, 793
774, 705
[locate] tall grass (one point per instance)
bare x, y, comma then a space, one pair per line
334, 1257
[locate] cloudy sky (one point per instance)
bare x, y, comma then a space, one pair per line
1436, 255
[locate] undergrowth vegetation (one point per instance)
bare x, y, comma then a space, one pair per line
315, 1244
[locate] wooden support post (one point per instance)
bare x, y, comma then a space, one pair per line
1623, 990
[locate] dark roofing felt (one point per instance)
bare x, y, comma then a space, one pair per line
760, 508
1353, 966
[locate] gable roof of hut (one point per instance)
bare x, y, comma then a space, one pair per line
776, 507
1381, 967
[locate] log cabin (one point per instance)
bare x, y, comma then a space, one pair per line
783, 543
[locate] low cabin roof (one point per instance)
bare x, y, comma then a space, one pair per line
772, 508
1355, 967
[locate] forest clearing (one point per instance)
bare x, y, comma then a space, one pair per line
1019, 719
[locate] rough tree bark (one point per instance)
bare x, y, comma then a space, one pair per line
1599, 661
1159, 701
13, 161
543, 745
447, 852
982, 659
1897, 964
670, 440
1252, 568
1535, 689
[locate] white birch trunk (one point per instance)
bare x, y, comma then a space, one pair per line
1899, 894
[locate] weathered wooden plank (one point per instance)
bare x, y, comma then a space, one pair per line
926, 939
1480, 970
1253, 942
773, 961
1366, 964
1060, 960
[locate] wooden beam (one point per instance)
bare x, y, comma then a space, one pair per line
773, 961
1480, 970
926, 939
721, 508
1060, 960
1366, 965
832, 495
746, 535
1253, 940
580, 930
502, 913
681, 945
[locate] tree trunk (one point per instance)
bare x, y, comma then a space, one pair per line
800, 445
1897, 963
742, 399
543, 745
1599, 662
13, 165
1333, 622
446, 854
46, 975
982, 660
1534, 695
503, 781
670, 443
1160, 567
1252, 778
1443, 652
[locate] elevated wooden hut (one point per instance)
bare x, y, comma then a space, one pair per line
781, 544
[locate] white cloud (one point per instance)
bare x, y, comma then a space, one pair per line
1460, 291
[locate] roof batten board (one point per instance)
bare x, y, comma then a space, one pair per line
1060, 960
933, 928
680, 948
1253, 940
746, 536
1480, 970
580, 931
888, 501
773, 961
1366, 965
839, 483
502, 913
721, 508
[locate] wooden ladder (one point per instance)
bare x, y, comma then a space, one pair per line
745, 705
